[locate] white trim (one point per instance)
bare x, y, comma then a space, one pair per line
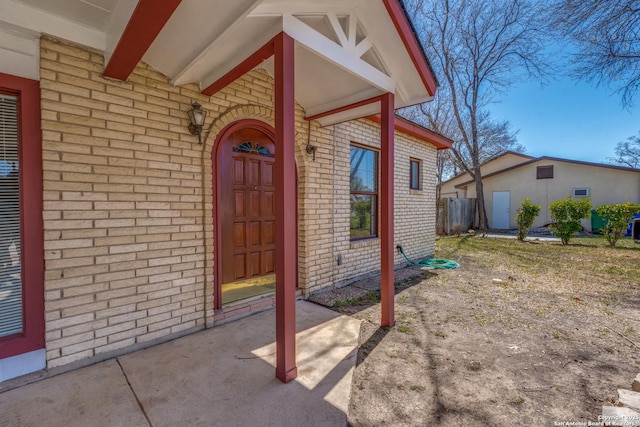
333, 19
20, 55
353, 29
313, 110
343, 58
297, 7
350, 114
22, 364
582, 189
40, 22
118, 20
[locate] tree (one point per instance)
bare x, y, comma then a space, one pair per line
616, 218
438, 117
566, 215
607, 35
627, 153
478, 49
525, 217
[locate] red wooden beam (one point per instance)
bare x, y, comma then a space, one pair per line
414, 49
413, 129
241, 69
285, 180
345, 108
387, 246
149, 17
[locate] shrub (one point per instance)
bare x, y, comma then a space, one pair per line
616, 219
525, 216
566, 215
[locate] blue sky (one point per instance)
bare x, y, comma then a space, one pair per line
567, 119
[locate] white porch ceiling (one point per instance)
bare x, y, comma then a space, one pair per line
346, 50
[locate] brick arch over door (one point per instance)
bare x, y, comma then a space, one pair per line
264, 116
228, 118
219, 225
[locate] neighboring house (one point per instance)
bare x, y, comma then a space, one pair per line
547, 179
133, 228
507, 159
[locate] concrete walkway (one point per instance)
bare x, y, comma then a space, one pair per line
529, 238
223, 376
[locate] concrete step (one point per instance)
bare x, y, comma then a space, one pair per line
619, 416
630, 399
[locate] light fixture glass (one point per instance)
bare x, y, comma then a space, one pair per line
196, 120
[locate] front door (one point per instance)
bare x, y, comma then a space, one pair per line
501, 210
247, 215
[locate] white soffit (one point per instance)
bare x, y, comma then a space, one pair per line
97, 24
347, 51
20, 54
90, 13
194, 34
31, 19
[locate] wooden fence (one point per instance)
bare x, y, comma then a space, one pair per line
456, 216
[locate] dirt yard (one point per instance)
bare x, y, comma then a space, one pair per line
526, 334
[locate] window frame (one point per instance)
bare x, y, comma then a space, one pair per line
31, 220
418, 179
542, 172
374, 194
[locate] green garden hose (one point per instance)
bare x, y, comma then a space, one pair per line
433, 262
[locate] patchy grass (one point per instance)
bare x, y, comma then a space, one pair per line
523, 333
590, 261
405, 330
518, 401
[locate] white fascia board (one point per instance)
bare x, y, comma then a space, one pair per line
20, 53
352, 114
297, 7
41, 22
19, 64
348, 100
120, 17
341, 57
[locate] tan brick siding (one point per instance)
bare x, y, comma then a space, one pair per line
414, 217
123, 207
128, 201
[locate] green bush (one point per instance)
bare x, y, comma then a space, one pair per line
616, 219
525, 216
566, 215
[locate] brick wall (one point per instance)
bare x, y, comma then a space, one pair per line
414, 210
123, 208
128, 202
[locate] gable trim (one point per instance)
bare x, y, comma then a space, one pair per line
553, 159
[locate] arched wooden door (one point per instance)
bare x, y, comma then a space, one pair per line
246, 214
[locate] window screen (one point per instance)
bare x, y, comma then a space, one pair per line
544, 172
10, 277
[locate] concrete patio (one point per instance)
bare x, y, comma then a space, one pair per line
220, 376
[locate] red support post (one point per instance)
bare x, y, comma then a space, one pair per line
285, 180
387, 248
